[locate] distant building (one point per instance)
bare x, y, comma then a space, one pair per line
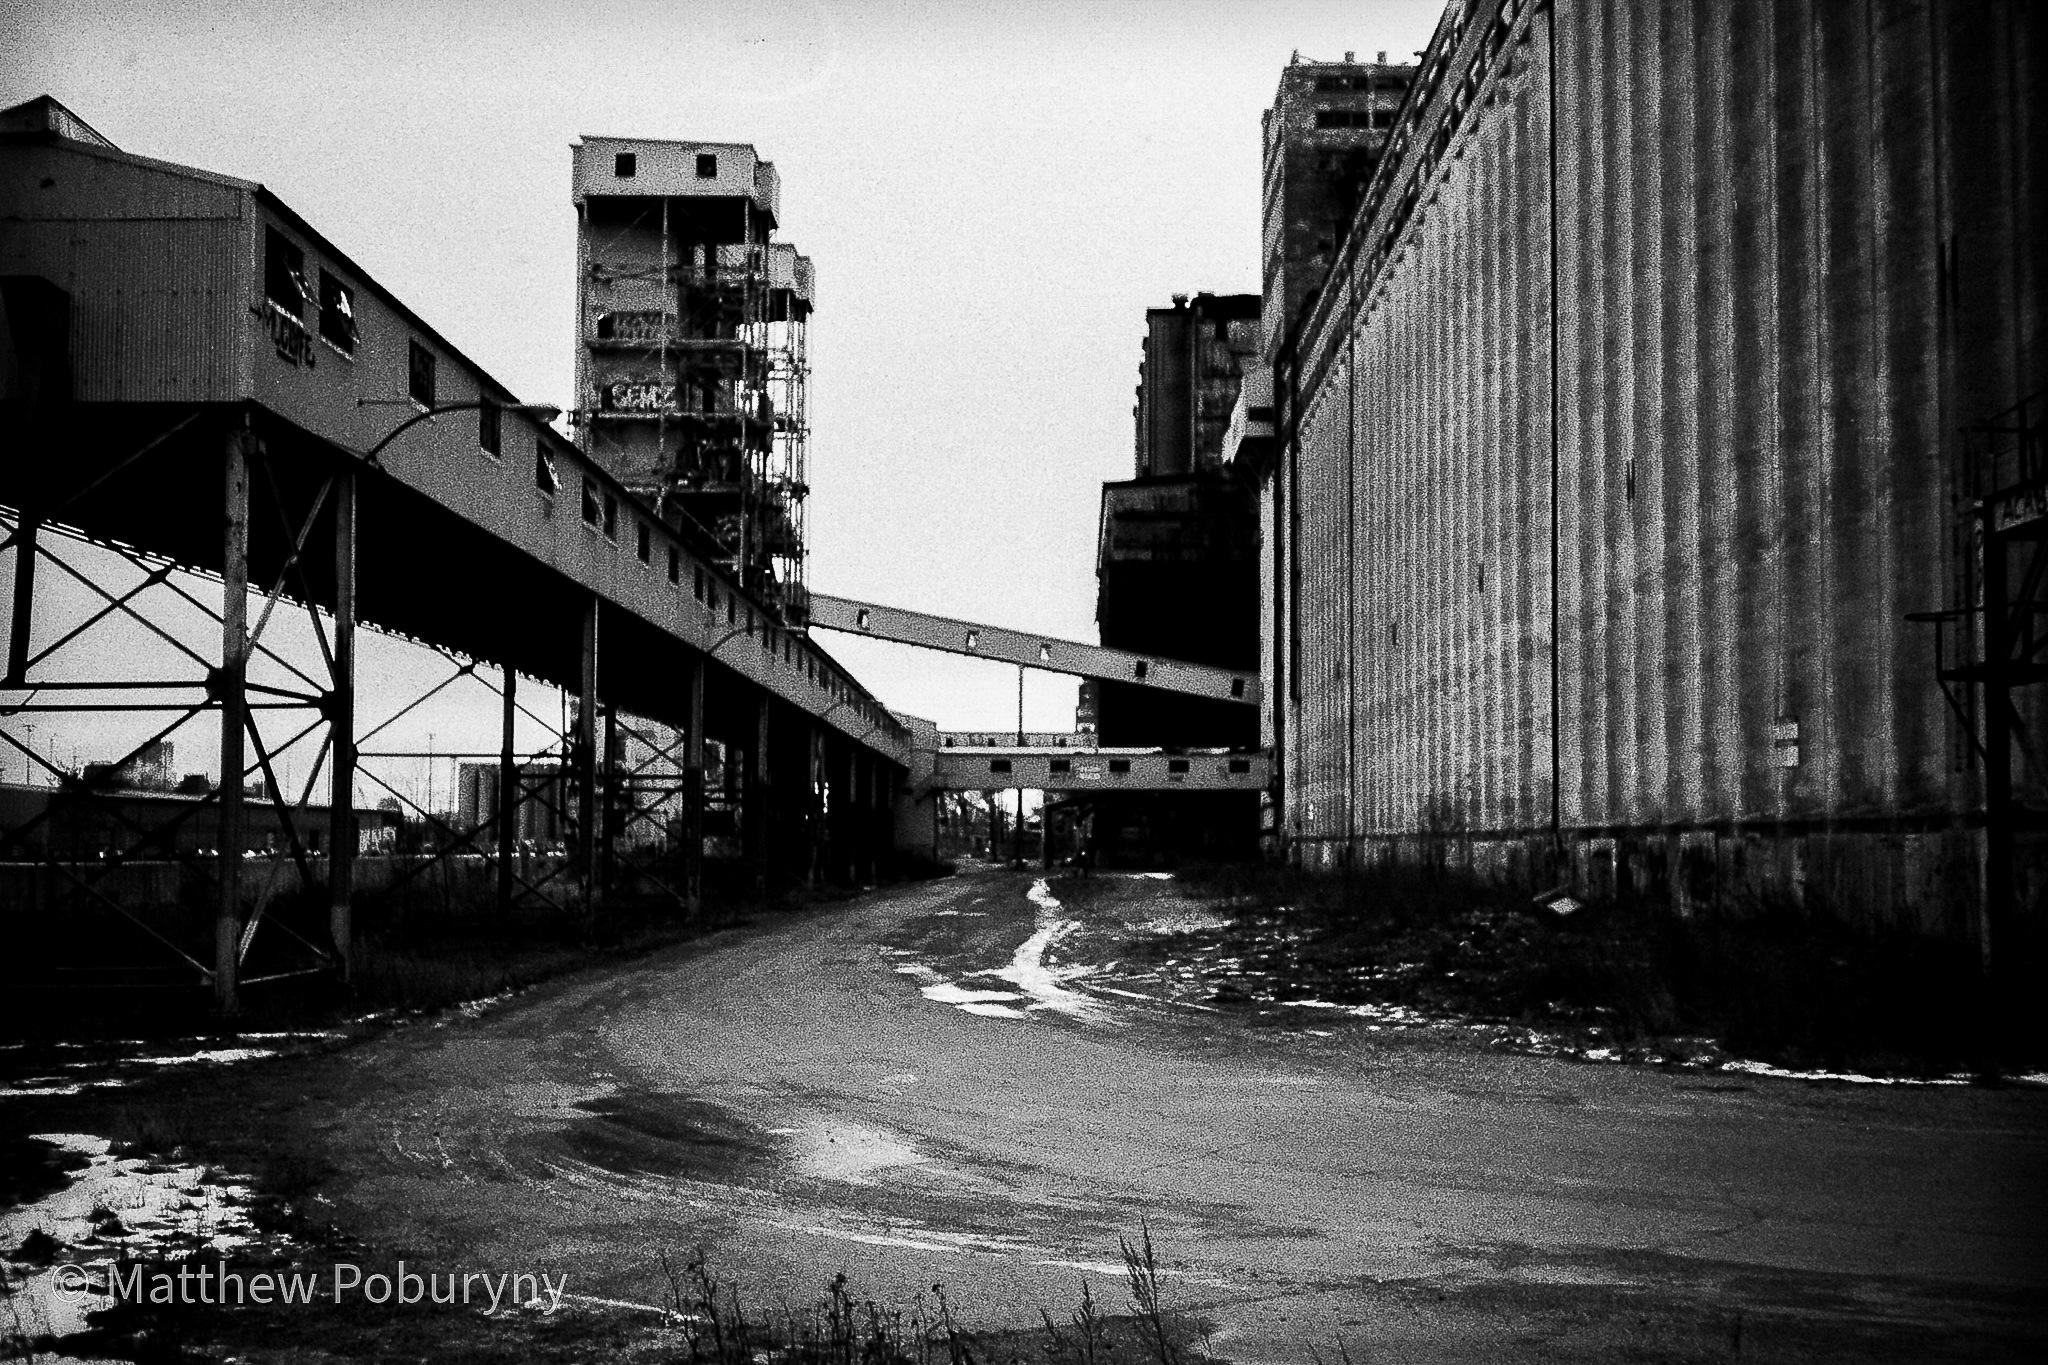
1195, 352
1177, 577
542, 807
690, 356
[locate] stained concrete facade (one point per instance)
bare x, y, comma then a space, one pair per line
1625, 437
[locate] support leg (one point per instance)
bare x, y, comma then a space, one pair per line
341, 823
230, 685
587, 815
610, 798
24, 602
508, 794
760, 796
693, 795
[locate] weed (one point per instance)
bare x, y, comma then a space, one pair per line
1143, 1271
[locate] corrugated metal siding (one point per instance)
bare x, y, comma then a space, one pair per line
157, 310
1758, 384
156, 265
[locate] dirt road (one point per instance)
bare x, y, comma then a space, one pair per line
922, 1087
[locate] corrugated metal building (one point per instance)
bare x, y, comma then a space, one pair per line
1624, 436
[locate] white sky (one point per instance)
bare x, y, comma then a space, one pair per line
993, 195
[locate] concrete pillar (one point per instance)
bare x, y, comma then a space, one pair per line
230, 688
341, 721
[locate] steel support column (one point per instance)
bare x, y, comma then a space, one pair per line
508, 794
693, 795
24, 601
230, 687
341, 720
609, 798
587, 814
760, 818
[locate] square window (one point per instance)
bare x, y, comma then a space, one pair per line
1240, 765
707, 166
611, 516
489, 428
675, 565
999, 765
544, 476
643, 542
337, 314
284, 271
625, 165
1063, 765
593, 510
1119, 765
1176, 765
419, 373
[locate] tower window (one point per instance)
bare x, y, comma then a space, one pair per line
626, 165
707, 165
544, 476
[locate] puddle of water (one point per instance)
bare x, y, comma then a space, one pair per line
835, 1150
1030, 973
114, 1207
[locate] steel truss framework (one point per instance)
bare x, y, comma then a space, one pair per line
206, 838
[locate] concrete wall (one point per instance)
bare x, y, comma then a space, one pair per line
1623, 451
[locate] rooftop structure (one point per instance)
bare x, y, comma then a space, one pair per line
1324, 135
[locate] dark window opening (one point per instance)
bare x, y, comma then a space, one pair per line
1140, 669
1176, 765
544, 476
732, 611
707, 166
697, 583
1240, 765
1237, 687
999, 765
284, 271
625, 165
1119, 765
419, 374
643, 542
675, 565
1062, 765
611, 516
1382, 118
489, 428
337, 314
593, 511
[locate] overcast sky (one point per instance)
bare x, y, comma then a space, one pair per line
993, 195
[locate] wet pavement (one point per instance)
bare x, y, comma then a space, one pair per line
973, 1082
943, 1083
